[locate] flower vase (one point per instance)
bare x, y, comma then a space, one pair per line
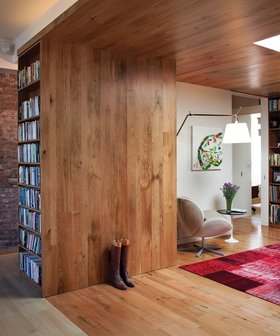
229, 204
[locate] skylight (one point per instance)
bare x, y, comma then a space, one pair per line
270, 43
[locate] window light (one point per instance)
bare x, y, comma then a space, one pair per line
272, 43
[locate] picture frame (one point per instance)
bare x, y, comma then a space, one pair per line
276, 176
206, 148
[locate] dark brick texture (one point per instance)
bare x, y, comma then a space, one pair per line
8, 160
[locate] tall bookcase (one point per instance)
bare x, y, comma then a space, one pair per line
29, 169
274, 161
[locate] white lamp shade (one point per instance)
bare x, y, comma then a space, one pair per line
236, 133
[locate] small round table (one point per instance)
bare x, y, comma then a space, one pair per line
231, 214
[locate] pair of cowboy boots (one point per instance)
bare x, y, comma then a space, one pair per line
119, 260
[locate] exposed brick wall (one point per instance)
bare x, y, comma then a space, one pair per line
8, 159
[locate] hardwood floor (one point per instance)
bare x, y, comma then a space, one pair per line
172, 301
22, 312
169, 301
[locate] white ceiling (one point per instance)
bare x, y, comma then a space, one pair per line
17, 15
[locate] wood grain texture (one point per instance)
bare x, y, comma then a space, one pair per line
172, 301
108, 163
210, 41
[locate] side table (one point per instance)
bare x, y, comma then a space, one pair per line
231, 214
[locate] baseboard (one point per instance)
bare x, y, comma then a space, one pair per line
9, 250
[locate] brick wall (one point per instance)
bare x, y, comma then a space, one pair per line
8, 159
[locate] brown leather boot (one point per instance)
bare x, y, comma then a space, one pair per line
116, 279
124, 261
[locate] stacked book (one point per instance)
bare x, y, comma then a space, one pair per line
274, 193
274, 159
30, 219
29, 175
29, 74
274, 104
31, 265
30, 240
29, 131
29, 153
30, 198
274, 214
29, 108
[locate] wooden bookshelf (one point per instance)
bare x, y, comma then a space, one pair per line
29, 134
29, 208
274, 161
31, 283
29, 186
29, 229
29, 163
29, 141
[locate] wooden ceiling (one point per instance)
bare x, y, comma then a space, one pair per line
211, 40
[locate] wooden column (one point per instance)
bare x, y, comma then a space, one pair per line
108, 163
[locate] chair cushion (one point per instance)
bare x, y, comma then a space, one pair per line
214, 226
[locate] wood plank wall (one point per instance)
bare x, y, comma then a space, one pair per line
108, 163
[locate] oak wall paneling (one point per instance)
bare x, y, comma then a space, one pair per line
108, 163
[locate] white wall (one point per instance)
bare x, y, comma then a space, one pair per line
4, 64
264, 146
202, 187
57, 9
241, 170
255, 150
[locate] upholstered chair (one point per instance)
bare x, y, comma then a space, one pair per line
192, 221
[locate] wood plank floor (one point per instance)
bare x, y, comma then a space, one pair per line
22, 312
170, 301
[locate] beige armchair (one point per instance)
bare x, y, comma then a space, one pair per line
193, 222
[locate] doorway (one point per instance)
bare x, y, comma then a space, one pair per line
247, 157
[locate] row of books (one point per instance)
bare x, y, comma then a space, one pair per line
274, 193
30, 198
29, 131
30, 219
29, 153
29, 175
274, 104
31, 266
29, 74
274, 213
30, 240
29, 108
274, 159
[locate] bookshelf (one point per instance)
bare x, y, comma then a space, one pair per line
274, 161
29, 167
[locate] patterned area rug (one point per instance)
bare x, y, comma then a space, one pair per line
256, 272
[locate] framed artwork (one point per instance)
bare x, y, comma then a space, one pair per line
206, 148
276, 176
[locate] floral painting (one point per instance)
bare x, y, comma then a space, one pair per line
206, 148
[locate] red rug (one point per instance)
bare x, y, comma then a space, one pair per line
256, 272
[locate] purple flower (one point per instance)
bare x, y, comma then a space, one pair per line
229, 190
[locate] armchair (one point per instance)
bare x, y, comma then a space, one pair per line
193, 222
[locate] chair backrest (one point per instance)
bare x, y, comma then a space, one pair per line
190, 218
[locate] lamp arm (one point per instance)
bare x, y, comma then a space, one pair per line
183, 123
204, 115
235, 116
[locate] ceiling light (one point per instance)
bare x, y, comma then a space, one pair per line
6, 47
270, 43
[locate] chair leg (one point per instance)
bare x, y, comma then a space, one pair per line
202, 248
213, 251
